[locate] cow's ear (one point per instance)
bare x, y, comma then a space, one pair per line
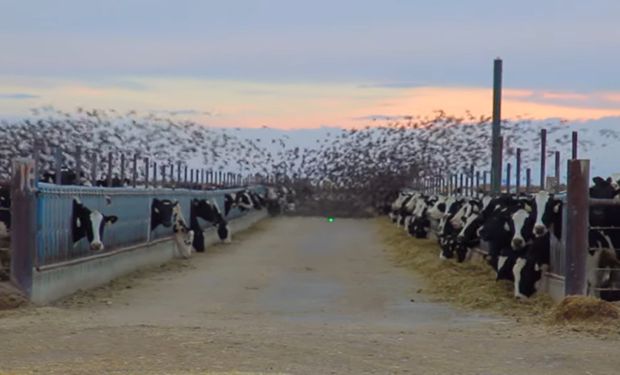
506, 227
111, 219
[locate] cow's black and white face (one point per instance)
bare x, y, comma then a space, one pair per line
210, 212
522, 223
89, 224
162, 212
546, 209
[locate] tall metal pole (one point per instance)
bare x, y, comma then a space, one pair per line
496, 154
543, 157
508, 178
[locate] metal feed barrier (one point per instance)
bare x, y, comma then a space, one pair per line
41, 220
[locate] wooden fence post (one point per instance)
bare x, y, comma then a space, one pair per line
575, 144
577, 227
23, 223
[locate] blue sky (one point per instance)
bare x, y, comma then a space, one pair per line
260, 47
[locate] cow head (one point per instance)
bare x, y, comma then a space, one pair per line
547, 210
162, 212
89, 224
522, 223
210, 212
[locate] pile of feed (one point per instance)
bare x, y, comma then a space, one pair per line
10, 297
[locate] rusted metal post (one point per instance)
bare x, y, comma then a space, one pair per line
508, 167
23, 224
574, 145
557, 171
577, 227
109, 179
518, 172
172, 173
543, 157
496, 151
154, 174
93, 170
147, 166
477, 182
528, 180
185, 175
57, 165
134, 171
163, 175
179, 172
191, 175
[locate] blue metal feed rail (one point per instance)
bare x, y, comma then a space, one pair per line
132, 207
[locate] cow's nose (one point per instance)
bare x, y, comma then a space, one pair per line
517, 242
96, 246
539, 230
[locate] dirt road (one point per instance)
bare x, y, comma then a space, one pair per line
300, 296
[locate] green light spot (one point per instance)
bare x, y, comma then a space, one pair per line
330, 219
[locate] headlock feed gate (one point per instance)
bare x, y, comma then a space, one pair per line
41, 238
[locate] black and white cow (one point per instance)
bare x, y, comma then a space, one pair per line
209, 211
5, 209
240, 199
162, 212
67, 177
602, 267
446, 233
89, 224
183, 234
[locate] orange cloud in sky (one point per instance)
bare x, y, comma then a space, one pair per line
305, 105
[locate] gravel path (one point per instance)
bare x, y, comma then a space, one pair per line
299, 296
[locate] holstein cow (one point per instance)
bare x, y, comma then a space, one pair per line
602, 267
240, 199
5, 209
183, 235
162, 212
209, 211
89, 224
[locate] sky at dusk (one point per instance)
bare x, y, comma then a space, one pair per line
293, 64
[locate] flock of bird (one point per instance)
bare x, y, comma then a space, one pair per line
370, 162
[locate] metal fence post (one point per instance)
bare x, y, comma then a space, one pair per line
528, 180
109, 179
93, 170
122, 169
57, 165
154, 174
146, 172
574, 145
557, 171
518, 172
134, 174
78, 162
577, 227
179, 172
496, 152
543, 157
23, 223
508, 167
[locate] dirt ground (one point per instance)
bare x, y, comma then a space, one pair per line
299, 296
